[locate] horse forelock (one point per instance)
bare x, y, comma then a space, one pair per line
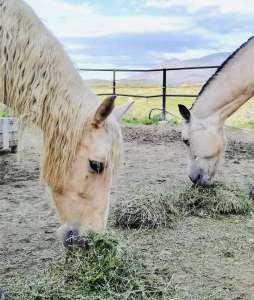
60, 153
43, 88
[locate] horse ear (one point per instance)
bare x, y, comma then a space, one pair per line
104, 110
185, 113
120, 110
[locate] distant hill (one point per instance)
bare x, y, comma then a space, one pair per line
97, 81
184, 76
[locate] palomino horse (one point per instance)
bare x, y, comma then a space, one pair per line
81, 137
229, 88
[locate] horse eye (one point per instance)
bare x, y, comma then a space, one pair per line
186, 142
96, 166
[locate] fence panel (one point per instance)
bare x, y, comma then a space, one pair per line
163, 94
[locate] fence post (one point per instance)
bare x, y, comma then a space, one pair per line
114, 82
164, 94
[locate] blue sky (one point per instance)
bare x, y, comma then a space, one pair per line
145, 33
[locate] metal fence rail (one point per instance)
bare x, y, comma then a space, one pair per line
163, 72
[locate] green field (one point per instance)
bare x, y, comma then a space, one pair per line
243, 118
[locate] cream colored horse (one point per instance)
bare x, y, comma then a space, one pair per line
82, 138
229, 88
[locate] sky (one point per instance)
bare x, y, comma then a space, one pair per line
145, 33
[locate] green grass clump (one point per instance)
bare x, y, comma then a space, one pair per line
246, 124
4, 111
3, 114
172, 120
144, 210
214, 200
105, 270
139, 121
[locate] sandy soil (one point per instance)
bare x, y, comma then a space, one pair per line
204, 258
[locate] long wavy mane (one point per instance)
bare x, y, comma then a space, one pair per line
43, 88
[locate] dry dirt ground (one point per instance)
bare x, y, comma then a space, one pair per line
205, 258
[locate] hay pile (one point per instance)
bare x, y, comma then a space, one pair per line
105, 271
147, 209
218, 199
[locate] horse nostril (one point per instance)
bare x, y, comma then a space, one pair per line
197, 179
72, 239
69, 238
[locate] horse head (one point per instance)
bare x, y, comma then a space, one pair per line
205, 143
82, 198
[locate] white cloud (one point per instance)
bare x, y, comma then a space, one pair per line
224, 6
183, 55
103, 25
75, 46
81, 20
48, 9
223, 42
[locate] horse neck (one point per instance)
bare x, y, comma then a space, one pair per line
230, 88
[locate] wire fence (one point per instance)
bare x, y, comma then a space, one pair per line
164, 87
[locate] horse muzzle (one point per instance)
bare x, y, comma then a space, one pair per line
71, 238
200, 179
